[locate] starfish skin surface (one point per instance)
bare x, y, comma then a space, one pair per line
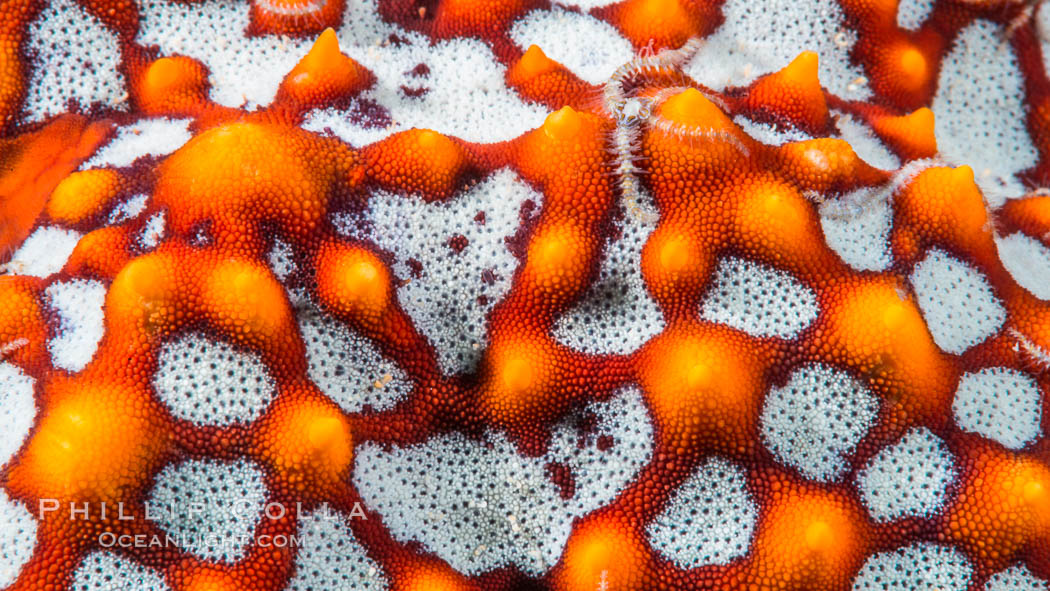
519, 294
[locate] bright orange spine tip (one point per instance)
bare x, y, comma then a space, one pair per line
943, 206
911, 135
325, 74
568, 149
210, 578
563, 125
531, 64
692, 109
794, 94
538, 78
692, 138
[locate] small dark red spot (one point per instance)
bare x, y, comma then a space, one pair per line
561, 476
414, 92
457, 243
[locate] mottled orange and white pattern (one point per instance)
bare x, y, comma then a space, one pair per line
522, 294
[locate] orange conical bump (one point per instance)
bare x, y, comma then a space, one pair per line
603, 552
664, 23
911, 135
793, 94
1003, 506
325, 74
702, 383
175, 84
308, 443
82, 195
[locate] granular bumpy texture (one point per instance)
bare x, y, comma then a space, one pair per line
524, 294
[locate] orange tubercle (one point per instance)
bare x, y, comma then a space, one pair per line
603, 552
100, 253
521, 381
943, 206
692, 109
144, 303
244, 300
354, 282
99, 442
872, 327
793, 94
176, 84
808, 539
824, 164
702, 384
903, 71
676, 266
558, 258
775, 222
664, 23
308, 443
531, 64
325, 74
1003, 505
83, 194
911, 135
418, 161
569, 144
536, 77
